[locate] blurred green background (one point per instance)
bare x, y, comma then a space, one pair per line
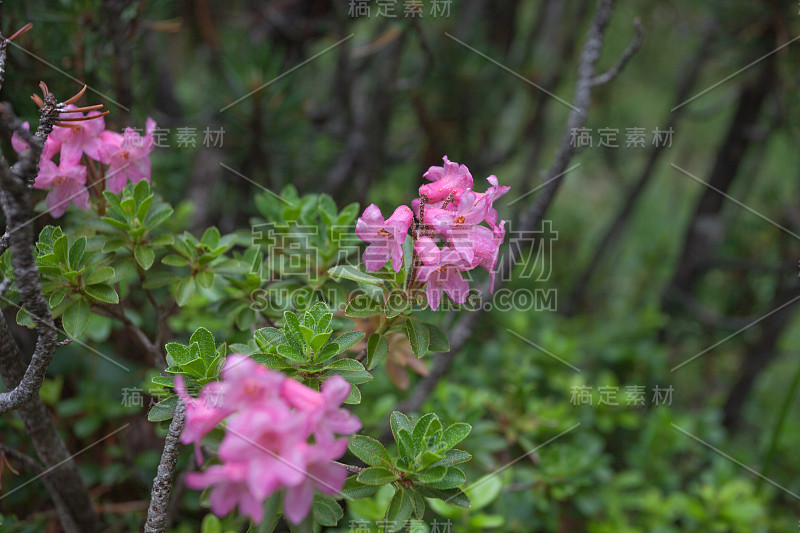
685, 271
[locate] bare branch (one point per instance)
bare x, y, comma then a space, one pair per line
612, 73
16, 203
162, 484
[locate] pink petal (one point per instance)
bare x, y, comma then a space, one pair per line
297, 502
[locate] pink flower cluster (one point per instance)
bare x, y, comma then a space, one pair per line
453, 216
127, 156
278, 434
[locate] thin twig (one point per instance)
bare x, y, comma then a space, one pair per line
162, 484
612, 73
350, 468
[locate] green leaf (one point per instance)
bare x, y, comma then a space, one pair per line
418, 335
352, 489
60, 250
164, 381
211, 238
307, 334
76, 253
175, 260
350, 369
100, 275
405, 444
141, 211
144, 256
352, 273
319, 341
196, 368
267, 337
396, 303
354, 398
432, 474
455, 497
76, 318
154, 218
328, 351
323, 323
439, 342
272, 361
456, 433
454, 457
418, 503
326, 511
421, 430
102, 293
178, 353
57, 297
349, 339
163, 410
363, 306
113, 244
162, 240
206, 345
111, 221
377, 347
24, 318
184, 291
291, 328
398, 421
400, 508
205, 279
376, 475
140, 191
454, 477
291, 353
370, 451
210, 524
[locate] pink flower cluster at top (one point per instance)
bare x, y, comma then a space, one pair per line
270, 419
453, 216
127, 156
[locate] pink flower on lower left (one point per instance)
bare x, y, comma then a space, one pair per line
279, 435
66, 183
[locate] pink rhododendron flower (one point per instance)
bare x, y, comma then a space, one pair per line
386, 237
229, 488
127, 156
442, 271
80, 137
454, 217
332, 418
459, 226
446, 179
493, 193
279, 435
51, 146
66, 184
202, 414
487, 247
323, 475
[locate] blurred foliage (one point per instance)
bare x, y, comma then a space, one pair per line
378, 110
